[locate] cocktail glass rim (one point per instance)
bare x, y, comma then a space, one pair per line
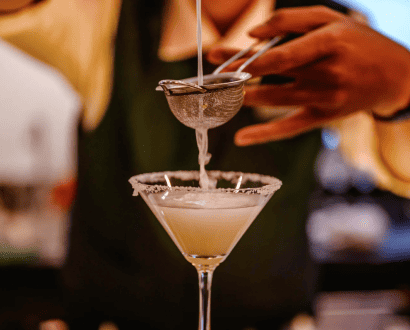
139, 182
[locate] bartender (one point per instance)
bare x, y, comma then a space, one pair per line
122, 266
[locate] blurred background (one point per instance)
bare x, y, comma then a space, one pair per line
37, 183
359, 235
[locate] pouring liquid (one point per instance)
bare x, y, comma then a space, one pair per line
201, 133
199, 42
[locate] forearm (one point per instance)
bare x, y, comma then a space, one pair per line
394, 147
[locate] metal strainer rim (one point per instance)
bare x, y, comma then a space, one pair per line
174, 87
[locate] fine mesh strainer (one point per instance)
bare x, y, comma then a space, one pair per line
217, 100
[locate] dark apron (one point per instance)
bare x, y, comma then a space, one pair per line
121, 264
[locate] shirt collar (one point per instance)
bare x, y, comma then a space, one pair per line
178, 39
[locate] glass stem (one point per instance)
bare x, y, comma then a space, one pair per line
205, 281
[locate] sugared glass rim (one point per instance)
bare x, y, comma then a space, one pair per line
139, 182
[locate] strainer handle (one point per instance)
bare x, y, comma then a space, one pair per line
235, 57
270, 44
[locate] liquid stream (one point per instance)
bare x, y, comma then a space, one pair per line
203, 158
199, 42
201, 133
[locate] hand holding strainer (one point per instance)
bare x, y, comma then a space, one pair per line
218, 99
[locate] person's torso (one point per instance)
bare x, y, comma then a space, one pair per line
116, 234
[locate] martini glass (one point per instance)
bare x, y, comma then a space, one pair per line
205, 224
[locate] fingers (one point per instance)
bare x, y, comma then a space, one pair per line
311, 94
296, 20
321, 41
268, 95
303, 121
302, 51
330, 71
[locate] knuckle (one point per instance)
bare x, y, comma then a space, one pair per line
282, 59
280, 55
341, 47
329, 39
338, 98
337, 75
335, 42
